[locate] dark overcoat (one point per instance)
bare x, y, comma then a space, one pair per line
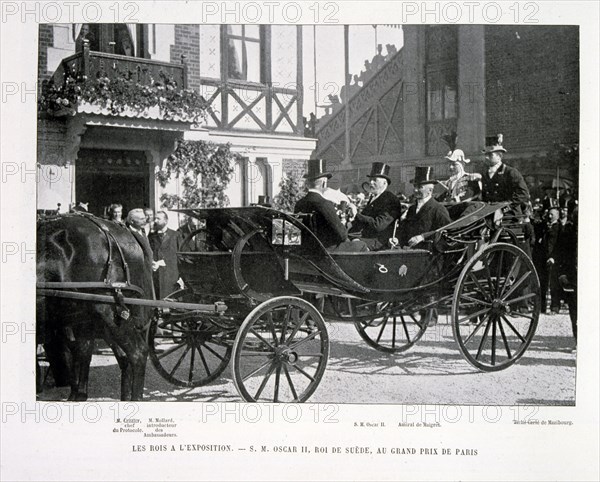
165, 247
430, 217
376, 221
327, 225
506, 185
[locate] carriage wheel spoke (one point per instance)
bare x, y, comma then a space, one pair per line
272, 328
485, 334
385, 320
405, 329
474, 332
214, 352
504, 339
522, 315
265, 381
516, 285
299, 323
289, 380
374, 319
511, 273
473, 315
253, 331
475, 300
286, 320
311, 378
304, 340
171, 350
499, 273
513, 328
203, 358
309, 355
482, 290
187, 348
277, 376
520, 298
192, 358
494, 339
251, 374
488, 275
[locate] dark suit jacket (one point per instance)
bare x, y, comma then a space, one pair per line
430, 217
506, 185
145, 245
377, 219
165, 247
328, 227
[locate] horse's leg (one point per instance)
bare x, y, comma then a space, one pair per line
81, 347
123, 363
131, 343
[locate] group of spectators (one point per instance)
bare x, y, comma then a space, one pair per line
159, 242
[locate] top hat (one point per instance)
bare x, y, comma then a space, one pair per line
317, 168
457, 155
264, 201
493, 144
380, 169
422, 176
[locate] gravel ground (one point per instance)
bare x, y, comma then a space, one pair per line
431, 372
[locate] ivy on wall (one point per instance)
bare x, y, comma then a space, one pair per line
291, 189
205, 170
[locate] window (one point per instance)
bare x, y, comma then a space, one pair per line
441, 96
243, 52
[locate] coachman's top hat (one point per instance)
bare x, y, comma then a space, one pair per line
317, 168
457, 155
380, 169
422, 176
493, 144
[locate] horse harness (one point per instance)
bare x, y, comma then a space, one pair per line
116, 287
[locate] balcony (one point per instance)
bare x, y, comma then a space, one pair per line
108, 84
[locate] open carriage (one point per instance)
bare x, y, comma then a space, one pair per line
280, 285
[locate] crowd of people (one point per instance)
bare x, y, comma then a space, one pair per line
384, 220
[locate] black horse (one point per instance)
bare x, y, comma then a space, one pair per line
89, 255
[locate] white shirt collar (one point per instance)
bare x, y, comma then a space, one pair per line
492, 170
421, 202
137, 230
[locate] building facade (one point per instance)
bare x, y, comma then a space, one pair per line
249, 76
475, 80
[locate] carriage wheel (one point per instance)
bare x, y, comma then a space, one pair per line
188, 351
393, 327
280, 352
496, 307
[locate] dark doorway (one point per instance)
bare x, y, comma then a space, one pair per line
106, 176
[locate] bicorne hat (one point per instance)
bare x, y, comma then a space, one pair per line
380, 169
317, 168
457, 155
422, 176
493, 144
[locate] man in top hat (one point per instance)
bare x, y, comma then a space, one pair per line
376, 221
327, 225
461, 186
424, 216
502, 182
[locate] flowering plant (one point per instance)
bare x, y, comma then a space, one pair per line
121, 94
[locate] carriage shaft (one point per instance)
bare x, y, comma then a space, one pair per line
75, 295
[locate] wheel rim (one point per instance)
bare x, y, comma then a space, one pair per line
394, 327
280, 352
189, 352
496, 307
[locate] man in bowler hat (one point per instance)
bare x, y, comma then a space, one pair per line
327, 225
426, 215
502, 182
377, 219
